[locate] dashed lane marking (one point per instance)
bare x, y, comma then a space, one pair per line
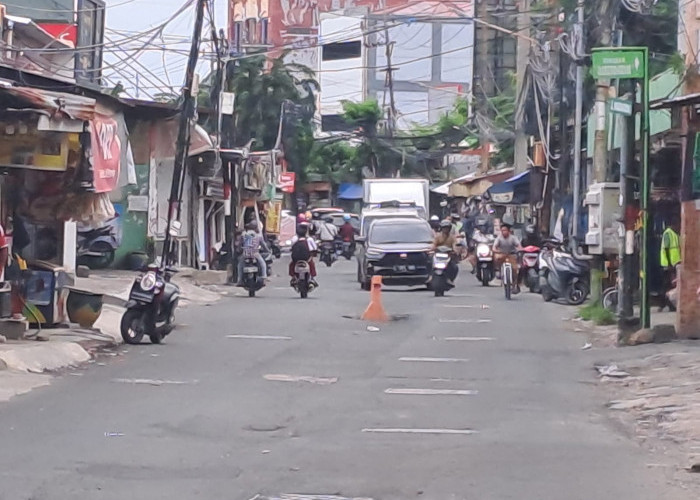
433, 360
465, 306
258, 337
420, 431
432, 392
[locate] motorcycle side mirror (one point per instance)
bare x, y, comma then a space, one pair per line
360, 239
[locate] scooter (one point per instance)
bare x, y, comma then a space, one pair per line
96, 247
274, 245
327, 251
252, 281
150, 309
303, 283
441, 262
529, 268
348, 249
562, 275
485, 271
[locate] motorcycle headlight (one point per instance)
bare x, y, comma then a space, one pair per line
148, 282
483, 250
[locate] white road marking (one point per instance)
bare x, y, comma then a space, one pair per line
468, 339
421, 431
148, 381
301, 378
465, 321
434, 360
465, 306
432, 392
259, 337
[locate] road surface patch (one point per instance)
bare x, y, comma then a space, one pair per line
290, 496
258, 337
420, 431
433, 360
469, 339
465, 321
432, 392
301, 378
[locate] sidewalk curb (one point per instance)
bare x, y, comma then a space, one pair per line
40, 357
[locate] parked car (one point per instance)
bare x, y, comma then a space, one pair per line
398, 250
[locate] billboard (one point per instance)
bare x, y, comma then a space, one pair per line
43, 11
90, 37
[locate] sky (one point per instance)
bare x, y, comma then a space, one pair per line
161, 67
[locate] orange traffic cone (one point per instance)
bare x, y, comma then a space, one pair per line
375, 311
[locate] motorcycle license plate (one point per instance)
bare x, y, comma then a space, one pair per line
250, 269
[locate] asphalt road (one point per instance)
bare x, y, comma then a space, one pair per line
516, 414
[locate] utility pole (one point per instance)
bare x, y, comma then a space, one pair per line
625, 281
578, 123
600, 146
523, 53
187, 112
389, 85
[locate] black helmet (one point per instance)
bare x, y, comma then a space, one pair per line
328, 219
252, 225
302, 229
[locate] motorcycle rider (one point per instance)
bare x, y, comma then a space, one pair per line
326, 230
303, 249
445, 238
480, 234
347, 232
251, 243
506, 247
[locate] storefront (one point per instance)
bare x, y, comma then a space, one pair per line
60, 157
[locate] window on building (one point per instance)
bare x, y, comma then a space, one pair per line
236, 32
251, 31
342, 50
264, 26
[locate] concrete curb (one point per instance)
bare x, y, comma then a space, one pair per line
39, 357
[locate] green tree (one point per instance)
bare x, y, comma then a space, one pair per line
261, 87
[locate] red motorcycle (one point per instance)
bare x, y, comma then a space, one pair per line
529, 268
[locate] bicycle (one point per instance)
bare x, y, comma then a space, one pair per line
507, 278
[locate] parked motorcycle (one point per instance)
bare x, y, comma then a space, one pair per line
441, 261
96, 247
529, 268
562, 275
303, 283
150, 309
327, 251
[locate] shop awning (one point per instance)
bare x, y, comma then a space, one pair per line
476, 183
513, 191
347, 191
53, 104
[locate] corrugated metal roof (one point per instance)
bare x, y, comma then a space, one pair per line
55, 104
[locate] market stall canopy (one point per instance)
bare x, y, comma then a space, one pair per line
443, 189
513, 191
52, 104
348, 191
476, 183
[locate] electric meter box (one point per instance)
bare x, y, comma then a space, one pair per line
604, 214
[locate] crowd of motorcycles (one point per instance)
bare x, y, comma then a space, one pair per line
550, 269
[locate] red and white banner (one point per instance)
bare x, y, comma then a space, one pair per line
286, 183
106, 152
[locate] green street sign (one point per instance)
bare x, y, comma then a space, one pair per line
618, 64
621, 106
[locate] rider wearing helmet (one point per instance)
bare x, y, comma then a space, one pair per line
347, 231
251, 243
445, 238
326, 230
303, 248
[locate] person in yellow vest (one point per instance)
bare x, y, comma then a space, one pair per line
670, 257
